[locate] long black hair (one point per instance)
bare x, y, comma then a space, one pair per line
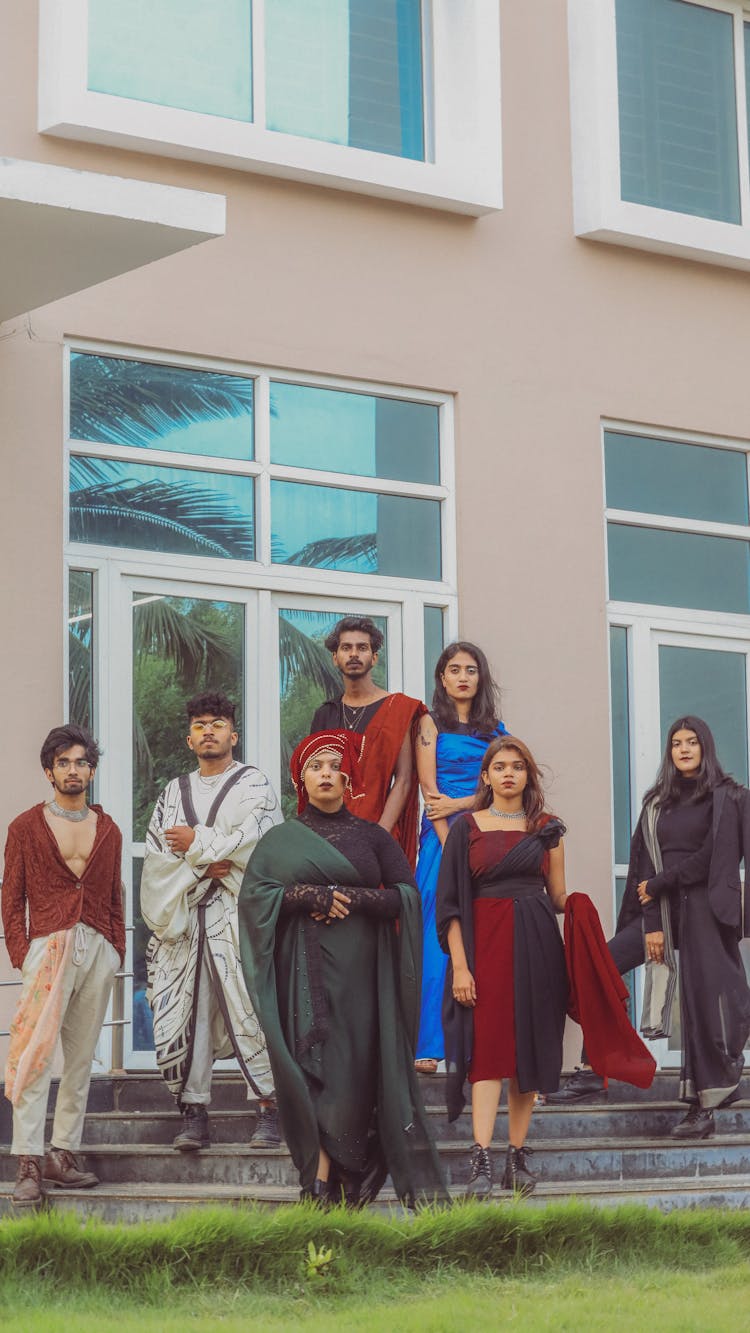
485, 706
667, 789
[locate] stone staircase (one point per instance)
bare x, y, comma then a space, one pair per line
614, 1151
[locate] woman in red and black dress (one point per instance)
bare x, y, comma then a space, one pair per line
502, 879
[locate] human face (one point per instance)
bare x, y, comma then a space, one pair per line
687, 752
211, 737
325, 784
354, 656
71, 772
461, 677
507, 776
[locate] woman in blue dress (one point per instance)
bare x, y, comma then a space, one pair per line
451, 742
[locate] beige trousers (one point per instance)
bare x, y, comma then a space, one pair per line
87, 986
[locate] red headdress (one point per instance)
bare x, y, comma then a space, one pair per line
347, 744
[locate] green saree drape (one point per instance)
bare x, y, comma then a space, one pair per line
339, 1006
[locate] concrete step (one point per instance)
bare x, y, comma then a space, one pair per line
130, 1203
580, 1121
560, 1160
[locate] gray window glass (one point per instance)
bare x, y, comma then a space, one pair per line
434, 642
677, 106
678, 569
618, 659
114, 400
348, 72
161, 509
363, 434
180, 53
711, 684
332, 528
656, 476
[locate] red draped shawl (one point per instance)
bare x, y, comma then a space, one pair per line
397, 716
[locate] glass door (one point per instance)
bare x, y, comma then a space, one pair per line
306, 675
707, 677
172, 641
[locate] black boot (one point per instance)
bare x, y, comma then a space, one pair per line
697, 1124
194, 1133
267, 1132
582, 1083
480, 1173
517, 1176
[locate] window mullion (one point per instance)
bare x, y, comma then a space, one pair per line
263, 482
259, 63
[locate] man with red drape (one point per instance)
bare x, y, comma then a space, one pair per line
387, 723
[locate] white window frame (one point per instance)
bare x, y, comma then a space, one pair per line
600, 214
463, 168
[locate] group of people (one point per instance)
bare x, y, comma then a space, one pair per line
313, 953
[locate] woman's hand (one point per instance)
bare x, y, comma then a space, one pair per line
437, 806
655, 946
643, 893
464, 988
338, 910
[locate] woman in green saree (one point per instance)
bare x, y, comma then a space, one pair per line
330, 939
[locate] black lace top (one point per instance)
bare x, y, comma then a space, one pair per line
374, 854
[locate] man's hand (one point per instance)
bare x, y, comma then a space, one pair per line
179, 838
218, 869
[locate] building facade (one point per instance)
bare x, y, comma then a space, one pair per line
465, 352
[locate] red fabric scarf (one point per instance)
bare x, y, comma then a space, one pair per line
397, 716
598, 999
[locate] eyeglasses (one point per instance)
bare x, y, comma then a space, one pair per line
65, 764
219, 724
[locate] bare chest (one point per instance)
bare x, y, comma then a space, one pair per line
75, 841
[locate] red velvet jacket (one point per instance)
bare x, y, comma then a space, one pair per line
36, 878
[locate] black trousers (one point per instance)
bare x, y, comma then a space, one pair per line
628, 951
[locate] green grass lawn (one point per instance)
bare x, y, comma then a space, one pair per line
563, 1267
643, 1300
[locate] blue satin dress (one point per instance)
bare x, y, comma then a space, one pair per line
458, 763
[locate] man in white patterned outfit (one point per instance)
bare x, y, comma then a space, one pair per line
201, 834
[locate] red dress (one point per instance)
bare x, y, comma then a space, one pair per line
495, 1018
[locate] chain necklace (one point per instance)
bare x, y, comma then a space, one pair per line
75, 816
351, 723
506, 814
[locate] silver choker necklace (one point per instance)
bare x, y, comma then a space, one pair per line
75, 816
506, 814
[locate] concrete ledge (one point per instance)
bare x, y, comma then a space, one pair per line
64, 230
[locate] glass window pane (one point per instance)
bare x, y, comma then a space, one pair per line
181, 646
678, 110
347, 71
142, 1020
678, 569
618, 660
687, 480
179, 53
354, 432
434, 643
709, 684
117, 401
355, 530
747, 76
308, 677
81, 648
161, 509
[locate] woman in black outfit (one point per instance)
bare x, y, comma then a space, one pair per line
699, 818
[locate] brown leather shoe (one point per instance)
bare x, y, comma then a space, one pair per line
29, 1192
61, 1169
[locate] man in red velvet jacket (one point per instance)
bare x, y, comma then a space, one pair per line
64, 929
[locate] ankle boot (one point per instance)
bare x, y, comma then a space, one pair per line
319, 1194
517, 1176
480, 1173
194, 1134
29, 1191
